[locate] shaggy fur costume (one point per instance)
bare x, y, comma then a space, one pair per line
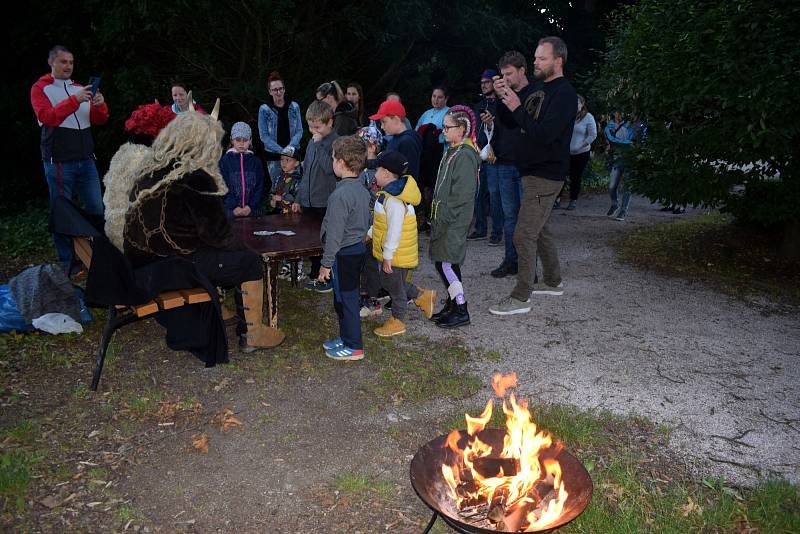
173, 192
119, 181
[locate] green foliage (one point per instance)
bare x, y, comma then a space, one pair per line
715, 81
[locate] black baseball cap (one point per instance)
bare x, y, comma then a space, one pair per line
393, 161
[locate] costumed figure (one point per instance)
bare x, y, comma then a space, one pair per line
174, 193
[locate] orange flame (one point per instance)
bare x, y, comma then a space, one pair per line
518, 489
500, 383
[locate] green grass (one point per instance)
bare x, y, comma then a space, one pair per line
15, 477
357, 485
413, 369
713, 248
21, 434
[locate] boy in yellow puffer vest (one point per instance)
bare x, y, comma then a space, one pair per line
395, 251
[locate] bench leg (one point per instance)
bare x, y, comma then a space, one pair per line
108, 333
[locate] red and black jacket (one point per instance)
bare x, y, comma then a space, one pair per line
66, 124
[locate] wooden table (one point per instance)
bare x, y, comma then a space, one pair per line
274, 249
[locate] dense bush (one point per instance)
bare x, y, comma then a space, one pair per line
715, 80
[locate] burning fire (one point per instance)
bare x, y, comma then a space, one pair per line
513, 489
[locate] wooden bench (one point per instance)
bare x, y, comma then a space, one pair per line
120, 315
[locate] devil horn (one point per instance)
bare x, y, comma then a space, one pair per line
191, 101
215, 111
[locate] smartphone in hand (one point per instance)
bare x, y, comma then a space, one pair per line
94, 82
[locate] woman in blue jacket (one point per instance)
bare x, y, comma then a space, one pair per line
280, 125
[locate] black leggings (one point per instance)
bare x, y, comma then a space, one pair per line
577, 164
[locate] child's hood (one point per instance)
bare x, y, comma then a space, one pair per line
405, 189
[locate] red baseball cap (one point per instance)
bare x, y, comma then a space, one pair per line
389, 107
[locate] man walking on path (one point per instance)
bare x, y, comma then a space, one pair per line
546, 113
66, 112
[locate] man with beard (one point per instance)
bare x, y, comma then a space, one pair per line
546, 114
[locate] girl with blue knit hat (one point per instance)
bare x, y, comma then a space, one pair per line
244, 175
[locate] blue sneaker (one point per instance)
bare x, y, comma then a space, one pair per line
327, 287
319, 287
345, 354
333, 344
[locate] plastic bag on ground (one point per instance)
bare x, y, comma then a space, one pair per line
57, 323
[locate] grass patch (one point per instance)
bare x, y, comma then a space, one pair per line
15, 477
353, 484
638, 488
407, 368
416, 370
713, 248
20, 434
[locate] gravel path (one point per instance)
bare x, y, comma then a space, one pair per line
720, 372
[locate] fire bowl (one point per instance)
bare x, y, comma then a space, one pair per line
428, 481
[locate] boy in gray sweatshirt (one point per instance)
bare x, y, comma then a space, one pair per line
342, 233
318, 179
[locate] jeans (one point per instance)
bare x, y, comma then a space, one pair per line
504, 182
533, 236
486, 198
69, 178
346, 277
614, 180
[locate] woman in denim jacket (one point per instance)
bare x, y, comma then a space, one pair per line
280, 125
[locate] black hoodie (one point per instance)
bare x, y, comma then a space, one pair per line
345, 118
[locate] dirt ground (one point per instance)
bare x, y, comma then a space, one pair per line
315, 452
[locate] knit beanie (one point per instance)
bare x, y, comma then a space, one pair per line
241, 130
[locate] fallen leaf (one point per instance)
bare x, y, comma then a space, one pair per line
230, 422
49, 502
222, 383
613, 492
690, 507
201, 443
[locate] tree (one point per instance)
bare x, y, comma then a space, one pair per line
715, 81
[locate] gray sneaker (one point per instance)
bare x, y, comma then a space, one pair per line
543, 289
510, 306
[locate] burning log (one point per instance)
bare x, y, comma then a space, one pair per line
497, 508
489, 466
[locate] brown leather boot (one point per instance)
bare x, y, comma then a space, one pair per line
259, 335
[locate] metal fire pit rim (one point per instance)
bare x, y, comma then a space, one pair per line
460, 526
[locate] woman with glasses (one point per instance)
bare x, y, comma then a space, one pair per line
280, 125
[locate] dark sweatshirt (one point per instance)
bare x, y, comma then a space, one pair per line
408, 144
543, 147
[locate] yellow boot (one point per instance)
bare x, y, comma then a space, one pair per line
392, 327
425, 301
259, 335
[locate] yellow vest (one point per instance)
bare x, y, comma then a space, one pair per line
407, 254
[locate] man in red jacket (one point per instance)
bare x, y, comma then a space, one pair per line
66, 111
